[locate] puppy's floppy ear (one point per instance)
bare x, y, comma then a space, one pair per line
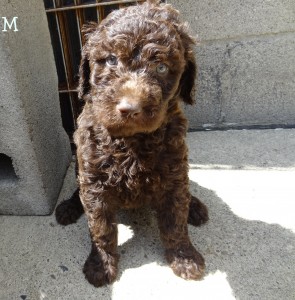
84, 75
84, 69
187, 81
188, 78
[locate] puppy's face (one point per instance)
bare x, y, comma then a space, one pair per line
136, 62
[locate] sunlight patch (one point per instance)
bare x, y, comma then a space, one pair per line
267, 196
152, 281
125, 233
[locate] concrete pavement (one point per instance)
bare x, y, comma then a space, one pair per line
247, 180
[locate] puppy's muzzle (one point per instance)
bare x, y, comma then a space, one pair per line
128, 108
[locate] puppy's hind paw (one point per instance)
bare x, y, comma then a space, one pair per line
198, 212
69, 211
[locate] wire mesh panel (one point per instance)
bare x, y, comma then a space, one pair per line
65, 20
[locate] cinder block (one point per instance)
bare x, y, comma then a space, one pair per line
246, 82
215, 19
34, 148
246, 61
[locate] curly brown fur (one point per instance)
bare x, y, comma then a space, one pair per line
137, 66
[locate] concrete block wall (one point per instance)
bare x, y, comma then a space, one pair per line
34, 148
246, 60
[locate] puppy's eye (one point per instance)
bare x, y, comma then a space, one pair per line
162, 69
112, 60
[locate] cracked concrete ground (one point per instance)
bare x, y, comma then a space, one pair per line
245, 177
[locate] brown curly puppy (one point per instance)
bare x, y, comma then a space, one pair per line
137, 66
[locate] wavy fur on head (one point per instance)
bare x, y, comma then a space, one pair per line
137, 67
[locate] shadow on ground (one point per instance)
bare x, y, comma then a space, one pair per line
256, 258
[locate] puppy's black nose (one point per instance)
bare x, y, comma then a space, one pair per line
128, 108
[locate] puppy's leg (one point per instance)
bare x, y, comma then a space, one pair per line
69, 211
183, 258
101, 265
198, 212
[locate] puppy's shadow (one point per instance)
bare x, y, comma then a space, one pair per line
257, 258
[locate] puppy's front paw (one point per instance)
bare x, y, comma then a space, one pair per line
100, 269
186, 263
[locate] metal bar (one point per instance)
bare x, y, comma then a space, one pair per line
91, 5
65, 46
79, 17
68, 91
73, 112
62, 46
98, 12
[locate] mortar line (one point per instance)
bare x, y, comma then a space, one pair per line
201, 42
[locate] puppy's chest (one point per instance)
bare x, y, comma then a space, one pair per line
137, 170
135, 177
